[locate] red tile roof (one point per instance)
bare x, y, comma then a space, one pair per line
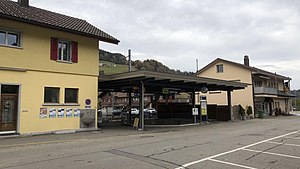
15, 11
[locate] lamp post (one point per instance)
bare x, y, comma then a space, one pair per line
295, 101
129, 60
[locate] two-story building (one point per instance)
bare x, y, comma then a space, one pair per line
266, 91
48, 68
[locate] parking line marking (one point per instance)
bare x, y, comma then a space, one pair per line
286, 144
265, 152
231, 151
233, 164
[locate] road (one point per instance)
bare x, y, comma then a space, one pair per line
257, 143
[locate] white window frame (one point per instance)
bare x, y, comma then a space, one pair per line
69, 51
6, 31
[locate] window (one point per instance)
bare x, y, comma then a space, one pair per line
258, 84
71, 95
9, 38
220, 68
65, 51
51, 95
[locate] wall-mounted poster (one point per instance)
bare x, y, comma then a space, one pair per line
52, 113
69, 112
43, 113
61, 112
76, 112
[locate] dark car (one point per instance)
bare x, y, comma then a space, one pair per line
116, 112
125, 115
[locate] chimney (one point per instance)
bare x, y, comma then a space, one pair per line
24, 3
246, 60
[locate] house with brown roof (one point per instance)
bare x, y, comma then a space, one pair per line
267, 92
48, 70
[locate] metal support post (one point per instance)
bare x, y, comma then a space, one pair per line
129, 108
141, 105
229, 104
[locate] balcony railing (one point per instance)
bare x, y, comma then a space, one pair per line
265, 90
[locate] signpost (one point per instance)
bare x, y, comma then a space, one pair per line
203, 102
195, 114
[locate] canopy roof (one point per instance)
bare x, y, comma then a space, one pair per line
155, 82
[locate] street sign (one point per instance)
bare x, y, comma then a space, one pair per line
165, 91
195, 111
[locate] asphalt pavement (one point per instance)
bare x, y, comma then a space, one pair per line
257, 143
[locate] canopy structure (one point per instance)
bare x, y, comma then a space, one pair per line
156, 83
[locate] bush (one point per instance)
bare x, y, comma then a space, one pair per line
249, 110
241, 110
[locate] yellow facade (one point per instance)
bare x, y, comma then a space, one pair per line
30, 67
243, 97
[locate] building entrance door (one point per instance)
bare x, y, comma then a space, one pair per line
8, 108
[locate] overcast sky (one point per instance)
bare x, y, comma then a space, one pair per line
177, 32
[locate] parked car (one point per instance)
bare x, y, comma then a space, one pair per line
150, 113
116, 112
125, 115
134, 111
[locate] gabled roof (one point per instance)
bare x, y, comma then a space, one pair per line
36, 16
254, 70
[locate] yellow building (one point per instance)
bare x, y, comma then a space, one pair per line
266, 91
48, 69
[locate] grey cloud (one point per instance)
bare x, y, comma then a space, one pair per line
176, 32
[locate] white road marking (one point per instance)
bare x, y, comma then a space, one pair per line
231, 151
233, 164
295, 138
265, 152
286, 144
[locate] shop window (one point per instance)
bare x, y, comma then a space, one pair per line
9, 38
51, 95
220, 68
71, 95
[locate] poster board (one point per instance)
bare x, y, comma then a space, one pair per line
43, 113
195, 111
61, 113
69, 112
52, 113
136, 122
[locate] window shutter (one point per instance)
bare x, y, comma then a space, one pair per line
74, 52
53, 50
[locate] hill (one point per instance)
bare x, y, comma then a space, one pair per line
108, 68
112, 57
121, 64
